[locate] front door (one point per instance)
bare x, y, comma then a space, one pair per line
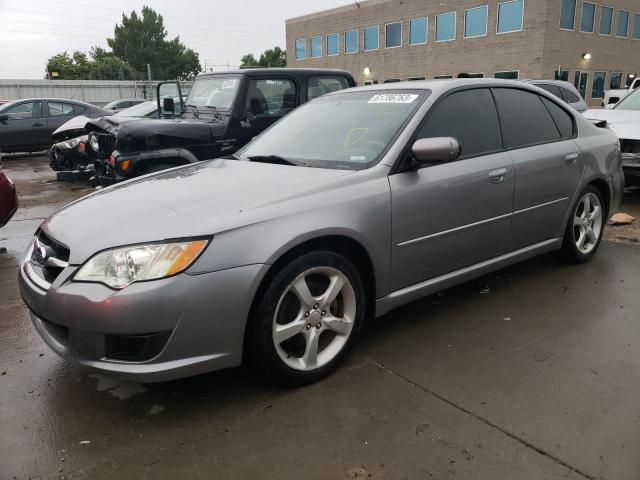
267, 100
452, 215
26, 127
548, 164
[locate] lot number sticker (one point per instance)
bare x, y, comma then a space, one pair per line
393, 98
229, 83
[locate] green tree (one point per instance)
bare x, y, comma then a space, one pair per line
68, 67
274, 57
112, 68
142, 39
99, 65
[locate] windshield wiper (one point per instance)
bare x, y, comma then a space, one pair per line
216, 112
278, 160
195, 110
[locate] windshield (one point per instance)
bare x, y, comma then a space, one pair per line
218, 92
630, 102
141, 110
345, 130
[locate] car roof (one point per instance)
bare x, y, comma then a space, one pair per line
560, 83
300, 72
39, 99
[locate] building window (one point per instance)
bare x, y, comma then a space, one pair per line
316, 47
561, 74
580, 82
441, 77
616, 80
392, 80
606, 18
509, 75
418, 31
567, 14
393, 35
372, 38
588, 17
510, 16
351, 41
371, 82
446, 27
475, 22
333, 44
636, 26
623, 24
415, 79
301, 49
597, 91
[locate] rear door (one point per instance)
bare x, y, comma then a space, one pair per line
548, 165
25, 128
451, 215
59, 113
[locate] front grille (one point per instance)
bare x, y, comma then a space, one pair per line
134, 348
107, 143
56, 250
630, 146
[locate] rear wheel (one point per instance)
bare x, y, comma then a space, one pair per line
583, 233
306, 321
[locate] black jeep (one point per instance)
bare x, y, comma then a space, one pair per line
222, 112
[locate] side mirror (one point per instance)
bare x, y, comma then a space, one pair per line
4, 118
168, 106
435, 150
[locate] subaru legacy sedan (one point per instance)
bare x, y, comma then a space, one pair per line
353, 204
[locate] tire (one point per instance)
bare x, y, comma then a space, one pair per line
285, 330
578, 244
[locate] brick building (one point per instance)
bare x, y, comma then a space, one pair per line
595, 45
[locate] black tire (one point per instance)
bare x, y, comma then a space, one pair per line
261, 350
569, 251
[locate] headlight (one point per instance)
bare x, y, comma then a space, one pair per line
71, 143
120, 267
93, 141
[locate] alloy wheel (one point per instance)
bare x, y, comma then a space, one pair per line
587, 223
314, 318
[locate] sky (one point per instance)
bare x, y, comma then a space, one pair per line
31, 31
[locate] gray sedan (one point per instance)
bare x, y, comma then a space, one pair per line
352, 205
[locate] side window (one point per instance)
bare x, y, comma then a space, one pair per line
470, 117
525, 120
563, 119
24, 111
273, 97
57, 109
78, 110
552, 89
318, 86
568, 96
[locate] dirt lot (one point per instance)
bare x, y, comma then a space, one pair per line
532, 372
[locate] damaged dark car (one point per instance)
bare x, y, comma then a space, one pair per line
222, 113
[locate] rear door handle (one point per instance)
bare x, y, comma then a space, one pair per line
572, 158
37, 124
498, 176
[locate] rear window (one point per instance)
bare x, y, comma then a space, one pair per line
525, 119
319, 86
552, 89
568, 96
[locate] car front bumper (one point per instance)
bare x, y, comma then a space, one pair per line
200, 318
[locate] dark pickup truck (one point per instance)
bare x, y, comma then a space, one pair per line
222, 113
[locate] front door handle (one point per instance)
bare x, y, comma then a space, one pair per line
572, 158
37, 124
498, 176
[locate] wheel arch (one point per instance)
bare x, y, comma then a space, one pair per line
605, 191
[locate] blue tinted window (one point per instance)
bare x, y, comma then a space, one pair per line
597, 91
446, 26
606, 17
333, 47
417, 31
510, 16
351, 41
623, 23
475, 21
636, 26
567, 14
371, 38
393, 35
588, 15
316, 47
301, 49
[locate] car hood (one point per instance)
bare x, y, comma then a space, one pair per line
71, 129
194, 200
624, 123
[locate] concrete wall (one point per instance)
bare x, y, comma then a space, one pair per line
535, 52
97, 92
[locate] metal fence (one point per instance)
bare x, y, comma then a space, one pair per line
97, 92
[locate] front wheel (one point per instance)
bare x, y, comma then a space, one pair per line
307, 318
583, 233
